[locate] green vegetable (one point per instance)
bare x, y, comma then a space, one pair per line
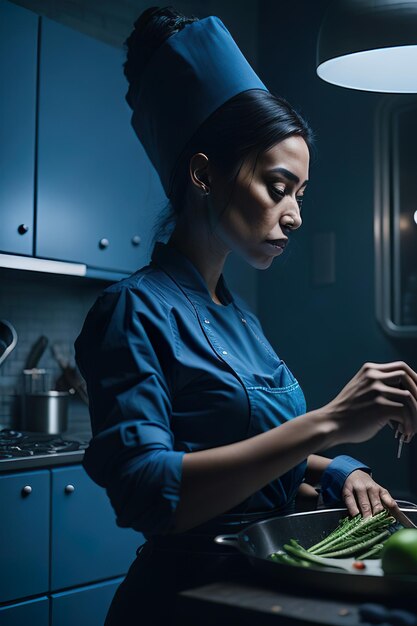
351, 549
399, 555
358, 536
354, 533
374, 552
282, 557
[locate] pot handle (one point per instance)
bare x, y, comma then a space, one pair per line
227, 540
406, 503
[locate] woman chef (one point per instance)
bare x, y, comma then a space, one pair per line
199, 427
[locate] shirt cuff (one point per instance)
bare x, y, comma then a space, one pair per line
335, 474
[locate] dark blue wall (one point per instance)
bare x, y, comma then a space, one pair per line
326, 332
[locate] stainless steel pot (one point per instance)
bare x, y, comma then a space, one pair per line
259, 540
45, 412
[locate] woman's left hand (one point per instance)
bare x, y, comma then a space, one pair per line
361, 494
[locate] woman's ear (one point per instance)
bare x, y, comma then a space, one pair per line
200, 173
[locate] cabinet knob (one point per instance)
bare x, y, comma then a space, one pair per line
69, 489
22, 229
135, 240
27, 489
103, 243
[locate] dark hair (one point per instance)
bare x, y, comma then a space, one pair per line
248, 124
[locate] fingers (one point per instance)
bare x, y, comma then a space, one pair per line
392, 367
369, 502
398, 379
351, 504
355, 493
378, 394
363, 495
395, 381
403, 397
374, 495
387, 500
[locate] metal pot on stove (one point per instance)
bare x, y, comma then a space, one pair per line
42, 409
45, 411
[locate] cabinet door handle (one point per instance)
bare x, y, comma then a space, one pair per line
22, 229
69, 489
103, 243
26, 491
135, 240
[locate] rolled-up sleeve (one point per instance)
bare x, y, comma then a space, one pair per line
125, 353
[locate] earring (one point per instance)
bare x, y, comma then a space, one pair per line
206, 191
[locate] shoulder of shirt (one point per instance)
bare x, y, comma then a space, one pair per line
148, 279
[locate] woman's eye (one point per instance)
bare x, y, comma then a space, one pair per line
277, 192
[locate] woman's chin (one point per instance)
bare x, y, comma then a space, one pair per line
260, 263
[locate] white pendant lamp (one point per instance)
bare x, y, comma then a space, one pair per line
369, 45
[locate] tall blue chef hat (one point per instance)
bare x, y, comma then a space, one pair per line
188, 77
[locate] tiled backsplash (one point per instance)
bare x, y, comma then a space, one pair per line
42, 304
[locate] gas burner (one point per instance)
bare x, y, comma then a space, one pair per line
10, 435
15, 444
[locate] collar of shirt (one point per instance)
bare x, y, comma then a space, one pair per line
182, 271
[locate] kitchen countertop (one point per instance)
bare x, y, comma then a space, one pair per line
251, 601
48, 460
41, 461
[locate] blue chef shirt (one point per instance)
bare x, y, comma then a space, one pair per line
168, 372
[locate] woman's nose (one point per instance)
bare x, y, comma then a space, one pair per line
292, 219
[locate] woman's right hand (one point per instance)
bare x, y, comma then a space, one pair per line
380, 393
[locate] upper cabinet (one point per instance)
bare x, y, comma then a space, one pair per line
70, 163
18, 67
97, 190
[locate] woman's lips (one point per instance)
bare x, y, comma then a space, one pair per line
278, 244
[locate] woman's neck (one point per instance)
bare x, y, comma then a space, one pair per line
202, 250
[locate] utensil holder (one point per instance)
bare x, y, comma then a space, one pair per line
35, 381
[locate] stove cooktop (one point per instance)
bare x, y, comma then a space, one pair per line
16, 444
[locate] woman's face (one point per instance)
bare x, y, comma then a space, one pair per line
265, 202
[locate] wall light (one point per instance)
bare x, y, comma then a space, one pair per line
369, 45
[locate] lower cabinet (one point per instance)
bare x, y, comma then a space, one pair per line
86, 606
86, 544
60, 542
33, 612
83, 607
24, 532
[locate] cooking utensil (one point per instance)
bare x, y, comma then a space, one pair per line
259, 540
73, 378
8, 339
401, 517
36, 352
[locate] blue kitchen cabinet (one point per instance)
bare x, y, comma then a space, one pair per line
97, 191
18, 63
86, 606
31, 612
86, 544
24, 532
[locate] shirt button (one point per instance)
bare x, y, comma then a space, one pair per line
207, 321
224, 352
243, 320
